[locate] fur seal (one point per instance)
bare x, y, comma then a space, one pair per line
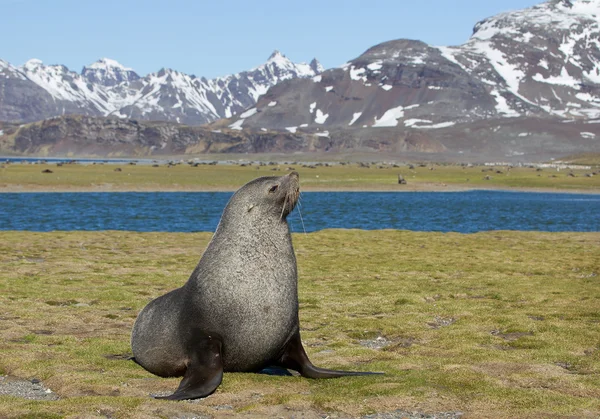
238, 311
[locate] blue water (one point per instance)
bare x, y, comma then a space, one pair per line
464, 212
67, 160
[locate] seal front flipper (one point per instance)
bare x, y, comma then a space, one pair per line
295, 358
204, 372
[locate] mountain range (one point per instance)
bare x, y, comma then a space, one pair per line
35, 91
525, 84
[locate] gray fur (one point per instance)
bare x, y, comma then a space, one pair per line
244, 289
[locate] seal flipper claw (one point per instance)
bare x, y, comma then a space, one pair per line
295, 358
204, 372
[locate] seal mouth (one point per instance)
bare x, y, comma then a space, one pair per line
291, 185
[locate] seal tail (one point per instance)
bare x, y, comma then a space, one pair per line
295, 358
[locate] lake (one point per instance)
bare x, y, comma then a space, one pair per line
464, 212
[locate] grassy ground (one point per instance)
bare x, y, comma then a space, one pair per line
498, 324
19, 177
584, 158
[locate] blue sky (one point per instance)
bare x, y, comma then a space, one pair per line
210, 38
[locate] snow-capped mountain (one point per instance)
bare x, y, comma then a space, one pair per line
541, 62
526, 85
107, 72
36, 91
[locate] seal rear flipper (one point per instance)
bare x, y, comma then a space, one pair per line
204, 372
295, 358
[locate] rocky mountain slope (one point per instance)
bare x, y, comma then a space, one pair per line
75, 135
36, 91
542, 62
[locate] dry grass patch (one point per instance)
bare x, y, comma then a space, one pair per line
502, 324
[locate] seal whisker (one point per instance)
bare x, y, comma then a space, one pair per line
284, 206
301, 220
299, 205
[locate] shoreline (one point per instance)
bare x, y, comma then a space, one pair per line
423, 187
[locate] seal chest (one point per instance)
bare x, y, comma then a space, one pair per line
238, 311
249, 296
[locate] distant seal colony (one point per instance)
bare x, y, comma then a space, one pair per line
238, 311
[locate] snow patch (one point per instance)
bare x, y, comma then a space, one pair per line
587, 135
358, 74
355, 116
237, 125
374, 66
586, 97
271, 104
329, 88
387, 87
320, 117
291, 129
436, 126
312, 107
527, 37
413, 121
317, 79
322, 134
248, 113
593, 75
390, 117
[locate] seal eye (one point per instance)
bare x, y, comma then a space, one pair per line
273, 188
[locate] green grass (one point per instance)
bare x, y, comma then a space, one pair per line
498, 324
17, 177
592, 159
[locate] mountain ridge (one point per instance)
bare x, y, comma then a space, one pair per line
107, 88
